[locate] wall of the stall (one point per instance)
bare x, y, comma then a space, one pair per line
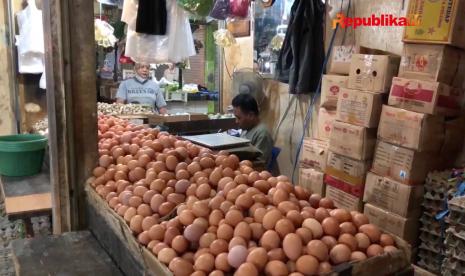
7, 118
278, 98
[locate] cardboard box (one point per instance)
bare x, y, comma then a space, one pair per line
347, 169
401, 164
426, 97
325, 123
441, 21
359, 107
344, 200
405, 228
340, 59
158, 119
393, 196
421, 132
330, 87
372, 72
440, 63
354, 190
352, 141
313, 180
314, 154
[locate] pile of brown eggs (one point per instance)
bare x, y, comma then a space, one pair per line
226, 218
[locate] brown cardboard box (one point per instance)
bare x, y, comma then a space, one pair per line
340, 59
352, 141
372, 72
354, 190
313, 180
426, 97
421, 132
440, 63
402, 164
344, 200
347, 169
359, 107
325, 123
393, 196
157, 119
330, 87
314, 154
441, 22
405, 228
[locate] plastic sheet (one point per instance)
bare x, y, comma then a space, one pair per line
221, 9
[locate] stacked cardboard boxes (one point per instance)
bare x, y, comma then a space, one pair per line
312, 164
353, 135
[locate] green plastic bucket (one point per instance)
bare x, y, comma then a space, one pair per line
22, 154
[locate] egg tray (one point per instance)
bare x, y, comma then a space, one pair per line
456, 232
453, 264
435, 196
431, 268
431, 239
433, 249
433, 260
433, 229
433, 205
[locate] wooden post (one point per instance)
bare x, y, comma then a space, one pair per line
71, 99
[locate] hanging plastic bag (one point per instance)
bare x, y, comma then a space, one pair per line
199, 8
221, 9
224, 38
239, 8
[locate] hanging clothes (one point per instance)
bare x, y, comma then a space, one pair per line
151, 17
30, 41
176, 46
301, 57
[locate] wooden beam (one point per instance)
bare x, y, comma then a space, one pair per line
71, 98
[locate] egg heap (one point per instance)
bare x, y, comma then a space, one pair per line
226, 218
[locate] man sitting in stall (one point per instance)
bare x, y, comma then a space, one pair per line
142, 90
247, 117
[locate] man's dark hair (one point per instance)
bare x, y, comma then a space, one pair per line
246, 103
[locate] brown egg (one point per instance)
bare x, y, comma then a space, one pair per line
175, 198
135, 201
314, 226
359, 219
315, 200
218, 246
262, 185
386, 239
307, 265
374, 250
203, 191
276, 254
130, 213
166, 255
170, 233
295, 217
318, 249
166, 208
244, 201
193, 167
158, 247
122, 210
321, 213
136, 224
206, 240
279, 196
181, 267
292, 246
215, 217
372, 231
182, 174
276, 268
144, 210
243, 230
304, 234
237, 256
348, 240
259, 214
340, 253
330, 241
324, 268
148, 222
225, 232
270, 240
157, 232
143, 238
246, 269
390, 248
326, 203
271, 218
258, 257
233, 217
179, 244
201, 209
257, 230
215, 202
193, 232
363, 241
148, 196
348, 227
237, 241
284, 226
221, 262
341, 215
358, 256
331, 226
207, 162
205, 262
171, 162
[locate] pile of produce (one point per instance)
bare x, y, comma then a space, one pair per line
122, 109
205, 213
41, 127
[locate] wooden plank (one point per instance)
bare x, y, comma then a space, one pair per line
73, 254
116, 237
71, 98
20, 205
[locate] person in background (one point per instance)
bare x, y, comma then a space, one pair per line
142, 90
247, 117
171, 73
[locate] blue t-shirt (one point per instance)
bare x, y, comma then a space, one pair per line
141, 91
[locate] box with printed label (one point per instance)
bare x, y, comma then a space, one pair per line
340, 59
344, 200
347, 169
441, 63
438, 21
325, 123
330, 87
413, 130
352, 141
314, 154
426, 97
404, 228
355, 190
393, 196
372, 72
313, 180
402, 164
359, 107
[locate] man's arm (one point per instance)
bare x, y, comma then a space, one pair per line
264, 143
